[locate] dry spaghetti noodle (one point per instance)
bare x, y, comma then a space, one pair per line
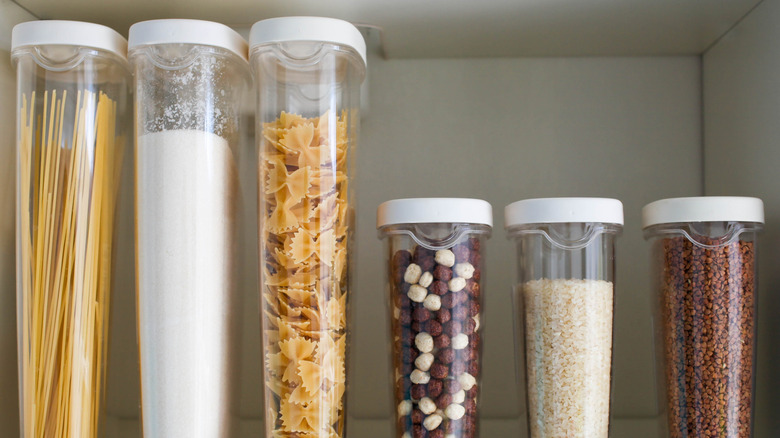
68, 178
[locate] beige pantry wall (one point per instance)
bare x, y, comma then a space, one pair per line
9, 407
742, 157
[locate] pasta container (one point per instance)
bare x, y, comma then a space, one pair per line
704, 252
308, 72
72, 127
190, 77
565, 300
435, 250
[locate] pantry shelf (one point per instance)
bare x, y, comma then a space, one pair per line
461, 28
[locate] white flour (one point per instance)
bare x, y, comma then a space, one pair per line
186, 193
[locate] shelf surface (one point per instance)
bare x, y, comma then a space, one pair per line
460, 28
376, 428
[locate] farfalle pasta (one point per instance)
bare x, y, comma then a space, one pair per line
305, 227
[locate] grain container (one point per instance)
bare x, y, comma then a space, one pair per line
308, 72
190, 77
565, 301
704, 252
73, 114
435, 252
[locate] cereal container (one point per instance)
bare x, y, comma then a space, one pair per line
565, 301
704, 251
73, 123
308, 72
435, 249
189, 79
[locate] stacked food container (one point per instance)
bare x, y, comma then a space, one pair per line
704, 251
435, 253
189, 79
308, 73
565, 303
72, 129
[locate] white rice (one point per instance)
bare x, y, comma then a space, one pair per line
568, 335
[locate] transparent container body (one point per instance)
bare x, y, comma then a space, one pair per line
565, 304
307, 127
187, 125
705, 326
436, 281
72, 127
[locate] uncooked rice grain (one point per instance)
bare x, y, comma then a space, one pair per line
568, 328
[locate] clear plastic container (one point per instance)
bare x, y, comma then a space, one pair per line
190, 77
72, 128
308, 72
705, 258
436, 280
565, 301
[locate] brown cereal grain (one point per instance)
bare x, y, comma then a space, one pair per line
442, 273
440, 371
708, 322
443, 401
443, 315
441, 341
418, 391
473, 368
446, 355
439, 288
453, 318
452, 328
451, 386
458, 367
435, 388
460, 313
421, 314
472, 288
448, 301
434, 328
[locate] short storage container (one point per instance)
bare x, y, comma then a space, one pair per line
435, 251
565, 301
704, 252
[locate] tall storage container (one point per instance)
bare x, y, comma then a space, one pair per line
435, 271
72, 128
308, 73
190, 77
565, 299
705, 255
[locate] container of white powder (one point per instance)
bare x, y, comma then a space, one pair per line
190, 79
565, 302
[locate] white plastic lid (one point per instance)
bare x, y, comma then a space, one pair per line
179, 31
703, 209
562, 210
68, 33
289, 29
434, 210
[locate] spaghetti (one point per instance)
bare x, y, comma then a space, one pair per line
69, 163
